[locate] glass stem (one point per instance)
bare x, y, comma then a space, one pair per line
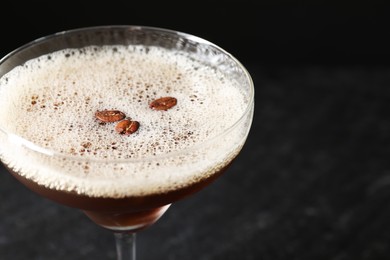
125, 245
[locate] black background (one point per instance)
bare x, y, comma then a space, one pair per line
312, 181
261, 32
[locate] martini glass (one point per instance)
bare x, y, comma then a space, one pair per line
125, 193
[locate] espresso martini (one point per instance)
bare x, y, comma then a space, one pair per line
65, 135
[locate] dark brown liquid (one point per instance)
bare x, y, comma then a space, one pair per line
129, 213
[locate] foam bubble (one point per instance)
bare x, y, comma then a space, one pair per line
51, 101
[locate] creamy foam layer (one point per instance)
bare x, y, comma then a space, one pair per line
51, 101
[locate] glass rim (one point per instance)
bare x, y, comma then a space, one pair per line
51, 152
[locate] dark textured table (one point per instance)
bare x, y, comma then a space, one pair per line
312, 182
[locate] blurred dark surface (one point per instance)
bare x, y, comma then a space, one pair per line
313, 180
